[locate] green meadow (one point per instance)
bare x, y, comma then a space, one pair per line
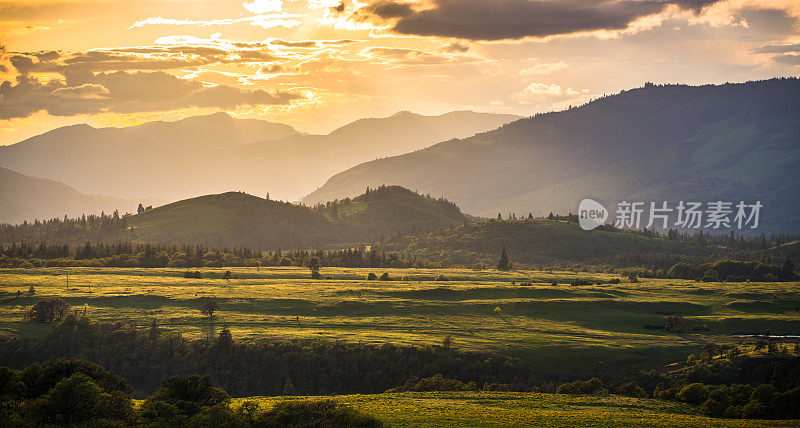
495, 409
595, 327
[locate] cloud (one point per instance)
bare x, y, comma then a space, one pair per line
87, 91
455, 46
787, 48
83, 92
543, 69
404, 56
541, 91
510, 19
138, 58
265, 21
788, 59
272, 69
263, 6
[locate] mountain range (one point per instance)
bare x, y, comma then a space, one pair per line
217, 153
24, 198
657, 143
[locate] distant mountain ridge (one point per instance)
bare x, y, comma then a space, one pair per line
215, 153
24, 198
673, 142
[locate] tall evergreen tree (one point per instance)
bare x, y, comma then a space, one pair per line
503, 263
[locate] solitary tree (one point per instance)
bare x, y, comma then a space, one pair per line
313, 265
209, 308
140, 209
47, 310
503, 263
447, 342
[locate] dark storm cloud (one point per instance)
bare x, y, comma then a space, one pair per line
84, 92
779, 48
513, 19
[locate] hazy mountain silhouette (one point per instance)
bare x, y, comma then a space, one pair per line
730, 142
24, 198
216, 153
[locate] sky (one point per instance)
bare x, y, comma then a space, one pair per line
319, 64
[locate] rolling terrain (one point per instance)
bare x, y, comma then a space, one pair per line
657, 143
24, 198
600, 326
239, 219
217, 153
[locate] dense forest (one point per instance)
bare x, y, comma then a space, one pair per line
722, 381
560, 242
189, 256
730, 142
556, 241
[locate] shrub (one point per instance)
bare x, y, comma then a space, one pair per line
47, 310
713, 408
632, 389
209, 308
77, 399
323, 413
385, 277
710, 275
180, 398
372, 277
434, 383
694, 393
753, 410
591, 386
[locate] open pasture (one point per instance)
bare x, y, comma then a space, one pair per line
495, 409
594, 326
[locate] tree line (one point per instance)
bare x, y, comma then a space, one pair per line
126, 254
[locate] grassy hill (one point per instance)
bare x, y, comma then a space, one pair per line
729, 142
239, 219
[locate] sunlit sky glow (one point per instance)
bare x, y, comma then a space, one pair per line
318, 64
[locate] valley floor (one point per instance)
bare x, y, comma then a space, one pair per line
494, 409
599, 327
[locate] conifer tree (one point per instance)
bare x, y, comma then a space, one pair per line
503, 263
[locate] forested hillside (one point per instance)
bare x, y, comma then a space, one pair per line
656, 143
543, 242
239, 219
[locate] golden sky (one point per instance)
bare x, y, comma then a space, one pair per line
318, 64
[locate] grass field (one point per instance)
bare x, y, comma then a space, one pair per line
596, 326
492, 409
